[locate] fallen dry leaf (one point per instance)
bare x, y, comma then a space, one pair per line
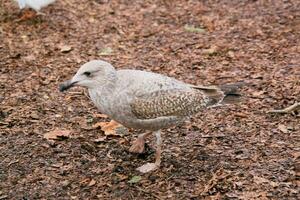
100, 139
122, 177
109, 128
135, 179
100, 116
211, 51
65, 49
296, 155
260, 180
106, 51
57, 134
258, 93
193, 29
283, 128
92, 182
253, 195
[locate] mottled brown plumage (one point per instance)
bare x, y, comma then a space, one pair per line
169, 103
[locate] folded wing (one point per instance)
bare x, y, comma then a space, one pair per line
165, 103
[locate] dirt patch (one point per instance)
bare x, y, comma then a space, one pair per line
233, 152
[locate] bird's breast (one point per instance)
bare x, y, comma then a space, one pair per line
100, 101
115, 105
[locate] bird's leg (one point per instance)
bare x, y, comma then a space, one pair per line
158, 148
287, 110
138, 145
153, 166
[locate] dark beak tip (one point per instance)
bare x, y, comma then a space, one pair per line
61, 87
65, 85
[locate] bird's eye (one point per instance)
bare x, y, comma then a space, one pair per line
88, 74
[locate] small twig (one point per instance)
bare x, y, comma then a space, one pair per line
141, 189
13, 162
287, 110
76, 93
218, 176
213, 136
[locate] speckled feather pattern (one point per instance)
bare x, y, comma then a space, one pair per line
171, 102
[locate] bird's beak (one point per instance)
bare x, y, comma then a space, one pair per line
67, 85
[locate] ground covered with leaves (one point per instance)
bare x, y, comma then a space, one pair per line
52, 148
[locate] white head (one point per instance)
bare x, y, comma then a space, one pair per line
93, 74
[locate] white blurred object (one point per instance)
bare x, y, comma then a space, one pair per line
34, 4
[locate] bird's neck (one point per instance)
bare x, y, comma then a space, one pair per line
106, 86
102, 96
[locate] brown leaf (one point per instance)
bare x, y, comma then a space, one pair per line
101, 116
99, 124
34, 115
295, 155
109, 128
283, 128
242, 115
85, 181
65, 49
260, 180
258, 93
92, 182
57, 134
211, 51
100, 139
122, 177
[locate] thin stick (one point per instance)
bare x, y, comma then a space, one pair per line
287, 110
151, 193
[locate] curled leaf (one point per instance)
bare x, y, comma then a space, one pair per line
106, 51
57, 134
65, 49
135, 179
193, 29
109, 128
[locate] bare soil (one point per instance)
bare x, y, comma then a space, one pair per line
232, 152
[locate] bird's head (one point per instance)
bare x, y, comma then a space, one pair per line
93, 74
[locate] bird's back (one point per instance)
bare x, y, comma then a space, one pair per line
141, 82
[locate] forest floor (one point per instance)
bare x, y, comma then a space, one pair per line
232, 152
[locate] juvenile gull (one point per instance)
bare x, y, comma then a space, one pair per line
145, 100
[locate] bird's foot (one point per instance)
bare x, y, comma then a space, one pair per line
138, 146
27, 14
148, 167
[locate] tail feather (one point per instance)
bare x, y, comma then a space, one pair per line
222, 94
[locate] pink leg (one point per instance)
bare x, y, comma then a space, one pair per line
158, 148
138, 145
153, 166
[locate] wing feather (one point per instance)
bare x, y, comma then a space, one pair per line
168, 103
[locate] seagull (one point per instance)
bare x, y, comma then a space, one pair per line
36, 5
146, 100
